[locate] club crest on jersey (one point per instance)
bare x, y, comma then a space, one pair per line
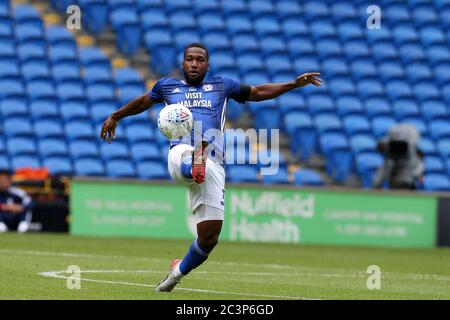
192, 89
207, 87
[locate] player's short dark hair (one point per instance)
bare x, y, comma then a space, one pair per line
5, 172
196, 45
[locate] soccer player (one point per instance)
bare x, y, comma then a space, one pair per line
189, 163
15, 213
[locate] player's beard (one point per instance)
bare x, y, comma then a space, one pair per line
196, 81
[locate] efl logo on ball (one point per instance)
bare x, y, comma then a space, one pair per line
175, 121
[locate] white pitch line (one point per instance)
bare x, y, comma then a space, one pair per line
344, 273
57, 274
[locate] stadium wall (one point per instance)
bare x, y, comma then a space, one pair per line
263, 214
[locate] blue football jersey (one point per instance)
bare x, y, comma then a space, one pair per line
206, 101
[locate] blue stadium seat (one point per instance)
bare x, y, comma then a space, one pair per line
36, 71
377, 107
21, 146
419, 72
47, 128
315, 10
307, 177
356, 49
412, 53
242, 173
212, 6
60, 37
25, 161
89, 167
44, 109
418, 123
291, 102
29, 51
52, 147
342, 11
349, 31
29, 34
424, 15
391, 70
277, 64
113, 151
238, 25
436, 182
305, 64
100, 92
217, 41
66, 72
211, 22
4, 162
95, 14
337, 154
74, 110
267, 26
145, 151
385, 50
139, 132
153, 18
398, 12
90, 56
259, 9
128, 93
232, 7
321, 29
271, 45
434, 110
249, 63
102, 110
281, 177
97, 75
381, 125
10, 71
71, 91
434, 164
120, 169
293, 28
151, 170
127, 27
327, 122
27, 14
404, 34
342, 87
149, 4
438, 54
300, 46
76, 130
320, 103
58, 166
425, 91
41, 89
11, 88
398, 89
15, 127
349, 105
285, 9
405, 108
362, 143
439, 129
83, 149
366, 166
355, 124
127, 76
427, 146
363, 69
336, 67
13, 107
443, 147
370, 89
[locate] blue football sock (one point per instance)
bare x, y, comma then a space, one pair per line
186, 167
193, 258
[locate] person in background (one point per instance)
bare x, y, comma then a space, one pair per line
15, 206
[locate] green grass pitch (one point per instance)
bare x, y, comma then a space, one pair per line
34, 267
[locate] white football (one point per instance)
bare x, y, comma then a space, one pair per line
175, 121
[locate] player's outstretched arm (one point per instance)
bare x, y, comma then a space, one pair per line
272, 90
135, 106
